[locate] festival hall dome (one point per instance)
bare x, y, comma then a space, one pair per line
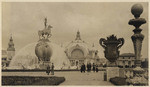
77, 45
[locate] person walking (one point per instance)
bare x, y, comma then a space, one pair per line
84, 68
94, 67
81, 68
52, 70
87, 67
90, 67
48, 70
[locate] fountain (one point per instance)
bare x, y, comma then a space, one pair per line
40, 54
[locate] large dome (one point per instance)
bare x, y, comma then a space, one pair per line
26, 58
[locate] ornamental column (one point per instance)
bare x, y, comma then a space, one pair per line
137, 38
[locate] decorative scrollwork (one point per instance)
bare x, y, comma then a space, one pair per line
121, 41
101, 42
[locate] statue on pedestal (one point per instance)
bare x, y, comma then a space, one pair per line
42, 50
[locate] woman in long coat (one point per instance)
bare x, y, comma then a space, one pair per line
48, 70
52, 71
81, 69
84, 68
94, 67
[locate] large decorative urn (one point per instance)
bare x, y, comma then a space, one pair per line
111, 46
42, 49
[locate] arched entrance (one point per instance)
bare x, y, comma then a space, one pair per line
77, 53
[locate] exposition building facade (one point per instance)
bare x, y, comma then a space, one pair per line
78, 52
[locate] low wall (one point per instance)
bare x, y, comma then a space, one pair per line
31, 80
34, 70
37, 70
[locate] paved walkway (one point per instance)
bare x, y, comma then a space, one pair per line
72, 77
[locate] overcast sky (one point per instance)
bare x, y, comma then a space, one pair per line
94, 20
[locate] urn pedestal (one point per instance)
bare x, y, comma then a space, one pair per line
111, 46
112, 72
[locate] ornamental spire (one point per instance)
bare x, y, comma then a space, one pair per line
78, 36
11, 44
11, 39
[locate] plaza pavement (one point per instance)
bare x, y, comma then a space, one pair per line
72, 77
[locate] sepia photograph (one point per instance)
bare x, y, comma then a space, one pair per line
74, 43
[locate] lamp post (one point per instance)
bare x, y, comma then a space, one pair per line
137, 39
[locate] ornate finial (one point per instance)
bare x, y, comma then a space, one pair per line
78, 36
11, 44
45, 23
137, 10
11, 39
112, 37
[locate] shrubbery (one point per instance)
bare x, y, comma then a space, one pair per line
118, 81
31, 80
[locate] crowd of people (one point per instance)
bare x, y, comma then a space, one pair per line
89, 67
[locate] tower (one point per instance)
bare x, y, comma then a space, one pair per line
10, 49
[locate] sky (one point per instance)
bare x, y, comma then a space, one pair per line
94, 20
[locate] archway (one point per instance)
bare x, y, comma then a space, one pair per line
77, 53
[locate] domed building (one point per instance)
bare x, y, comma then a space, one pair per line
78, 52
